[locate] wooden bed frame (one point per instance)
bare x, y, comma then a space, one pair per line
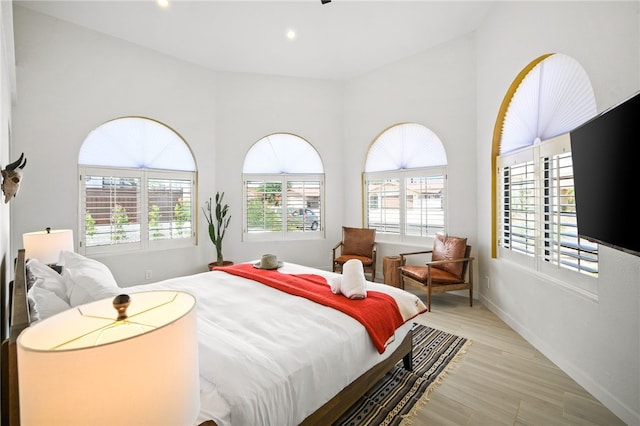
14, 295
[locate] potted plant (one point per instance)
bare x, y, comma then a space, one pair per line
217, 227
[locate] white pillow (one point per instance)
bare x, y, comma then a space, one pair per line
45, 302
47, 278
87, 279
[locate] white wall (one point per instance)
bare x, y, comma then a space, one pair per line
596, 342
437, 89
253, 106
72, 80
7, 91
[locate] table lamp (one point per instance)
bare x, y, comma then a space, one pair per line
46, 245
93, 365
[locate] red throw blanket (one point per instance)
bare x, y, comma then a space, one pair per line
378, 312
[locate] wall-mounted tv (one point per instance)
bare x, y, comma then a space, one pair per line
606, 170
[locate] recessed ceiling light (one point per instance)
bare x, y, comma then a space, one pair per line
291, 35
163, 3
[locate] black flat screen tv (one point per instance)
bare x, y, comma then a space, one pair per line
606, 169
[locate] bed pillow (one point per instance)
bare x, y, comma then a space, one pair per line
46, 278
87, 279
44, 303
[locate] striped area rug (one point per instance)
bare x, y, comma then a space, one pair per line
400, 393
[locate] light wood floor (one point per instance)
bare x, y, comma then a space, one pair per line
501, 379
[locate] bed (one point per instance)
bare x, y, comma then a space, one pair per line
293, 361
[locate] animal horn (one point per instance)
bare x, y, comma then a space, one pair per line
16, 163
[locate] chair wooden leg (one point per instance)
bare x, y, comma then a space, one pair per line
471, 284
429, 293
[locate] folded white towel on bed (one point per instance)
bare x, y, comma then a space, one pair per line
354, 283
335, 284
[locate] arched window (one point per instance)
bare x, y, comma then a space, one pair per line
283, 189
137, 180
536, 215
405, 183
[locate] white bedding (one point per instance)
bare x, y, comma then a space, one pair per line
270, 358
265, 357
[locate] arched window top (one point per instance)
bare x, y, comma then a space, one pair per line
136, 142
553, 98
282, 153
405, 146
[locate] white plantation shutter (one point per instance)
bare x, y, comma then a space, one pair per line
169, 208
425, 199
405, 183
262, 198
518, 197
137, 183
283, 190
383, 203
561, 244
537, 215
112, 207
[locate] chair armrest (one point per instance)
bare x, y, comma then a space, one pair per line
415, 252
336, 248
442, 262
403, 255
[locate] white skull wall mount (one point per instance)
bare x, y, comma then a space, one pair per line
11, 177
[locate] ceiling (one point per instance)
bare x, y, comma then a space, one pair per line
338, 40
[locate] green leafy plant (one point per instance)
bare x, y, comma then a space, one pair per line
90, 225
154, 222
217, 227
119, 218
181, 211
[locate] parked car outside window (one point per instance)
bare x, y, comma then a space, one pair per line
304, 219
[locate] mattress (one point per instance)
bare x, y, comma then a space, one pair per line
268, 357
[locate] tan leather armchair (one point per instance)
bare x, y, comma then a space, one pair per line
450, 268
357, 243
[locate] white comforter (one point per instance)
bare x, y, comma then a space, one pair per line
270, 358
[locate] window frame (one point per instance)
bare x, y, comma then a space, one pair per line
284, 234
402, 176
538, 261
145, 243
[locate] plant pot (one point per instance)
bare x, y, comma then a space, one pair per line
224, 263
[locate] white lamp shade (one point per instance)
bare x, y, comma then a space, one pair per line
46, 246
147, 377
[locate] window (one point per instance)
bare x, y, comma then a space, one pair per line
537, 215
518, 210
283, 190
405, 184
137, 183
561, 244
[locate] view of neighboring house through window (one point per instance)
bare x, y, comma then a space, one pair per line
283, 189
405, 183
537, 214
137, 183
